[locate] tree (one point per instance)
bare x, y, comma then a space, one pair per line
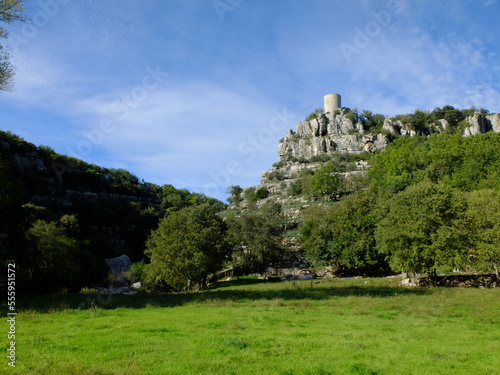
420, 232
465, 163
353, 115
343, 235
187, 247
371, 121
53, 263
483, 224
449, 113
10, 11
316, 237
326, 182
251, 197
256, 238
262, 193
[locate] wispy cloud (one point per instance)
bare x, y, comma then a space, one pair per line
185, 130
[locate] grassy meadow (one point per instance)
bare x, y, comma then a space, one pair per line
358, 326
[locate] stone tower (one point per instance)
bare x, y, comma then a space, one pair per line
332, 102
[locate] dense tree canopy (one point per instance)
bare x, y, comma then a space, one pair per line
343, 234
187, 247
465, 163
256, 238
483, 227
420, 232
105, 212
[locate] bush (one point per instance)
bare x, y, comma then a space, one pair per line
315, 114
137, 272
353, 115
250, 197
295, 188
235, 191
279, 164
275, 175
262, 193
320, 158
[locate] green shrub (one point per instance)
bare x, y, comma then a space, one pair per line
136, 272
262, 193
295, 188
250, 197
279, 164
275, 175
315, 114
353, 115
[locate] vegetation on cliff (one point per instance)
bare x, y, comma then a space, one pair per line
420, 210
61, 217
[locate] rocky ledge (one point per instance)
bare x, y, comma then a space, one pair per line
326, 134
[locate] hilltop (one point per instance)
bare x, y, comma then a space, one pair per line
346, 140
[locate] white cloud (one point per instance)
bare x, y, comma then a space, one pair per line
180, 132
420, 71
40, 80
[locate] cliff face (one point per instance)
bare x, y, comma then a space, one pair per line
478, 123
334, 137
326, 134
115, 211
481, 124
335, 132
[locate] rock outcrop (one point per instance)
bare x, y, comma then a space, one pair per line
480, 124
119, 264
326, 134
323, 138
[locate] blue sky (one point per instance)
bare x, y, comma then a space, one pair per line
197, 93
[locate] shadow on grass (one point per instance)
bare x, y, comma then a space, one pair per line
237, 281
287, 291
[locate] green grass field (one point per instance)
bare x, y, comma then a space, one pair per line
362, 326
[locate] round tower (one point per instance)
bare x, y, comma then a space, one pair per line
332, 102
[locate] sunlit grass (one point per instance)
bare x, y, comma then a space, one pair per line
365, 326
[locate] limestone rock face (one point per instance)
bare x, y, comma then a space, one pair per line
332, 133
444, 124
119, 264
326, 134
480, 124
493, 121
477, 123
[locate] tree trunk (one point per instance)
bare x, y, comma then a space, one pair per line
433, 277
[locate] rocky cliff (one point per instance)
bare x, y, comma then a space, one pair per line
326, 134
478, 123
342, 135
115, 211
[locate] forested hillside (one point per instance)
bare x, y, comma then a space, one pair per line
430, 204
424, 202
61, 217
